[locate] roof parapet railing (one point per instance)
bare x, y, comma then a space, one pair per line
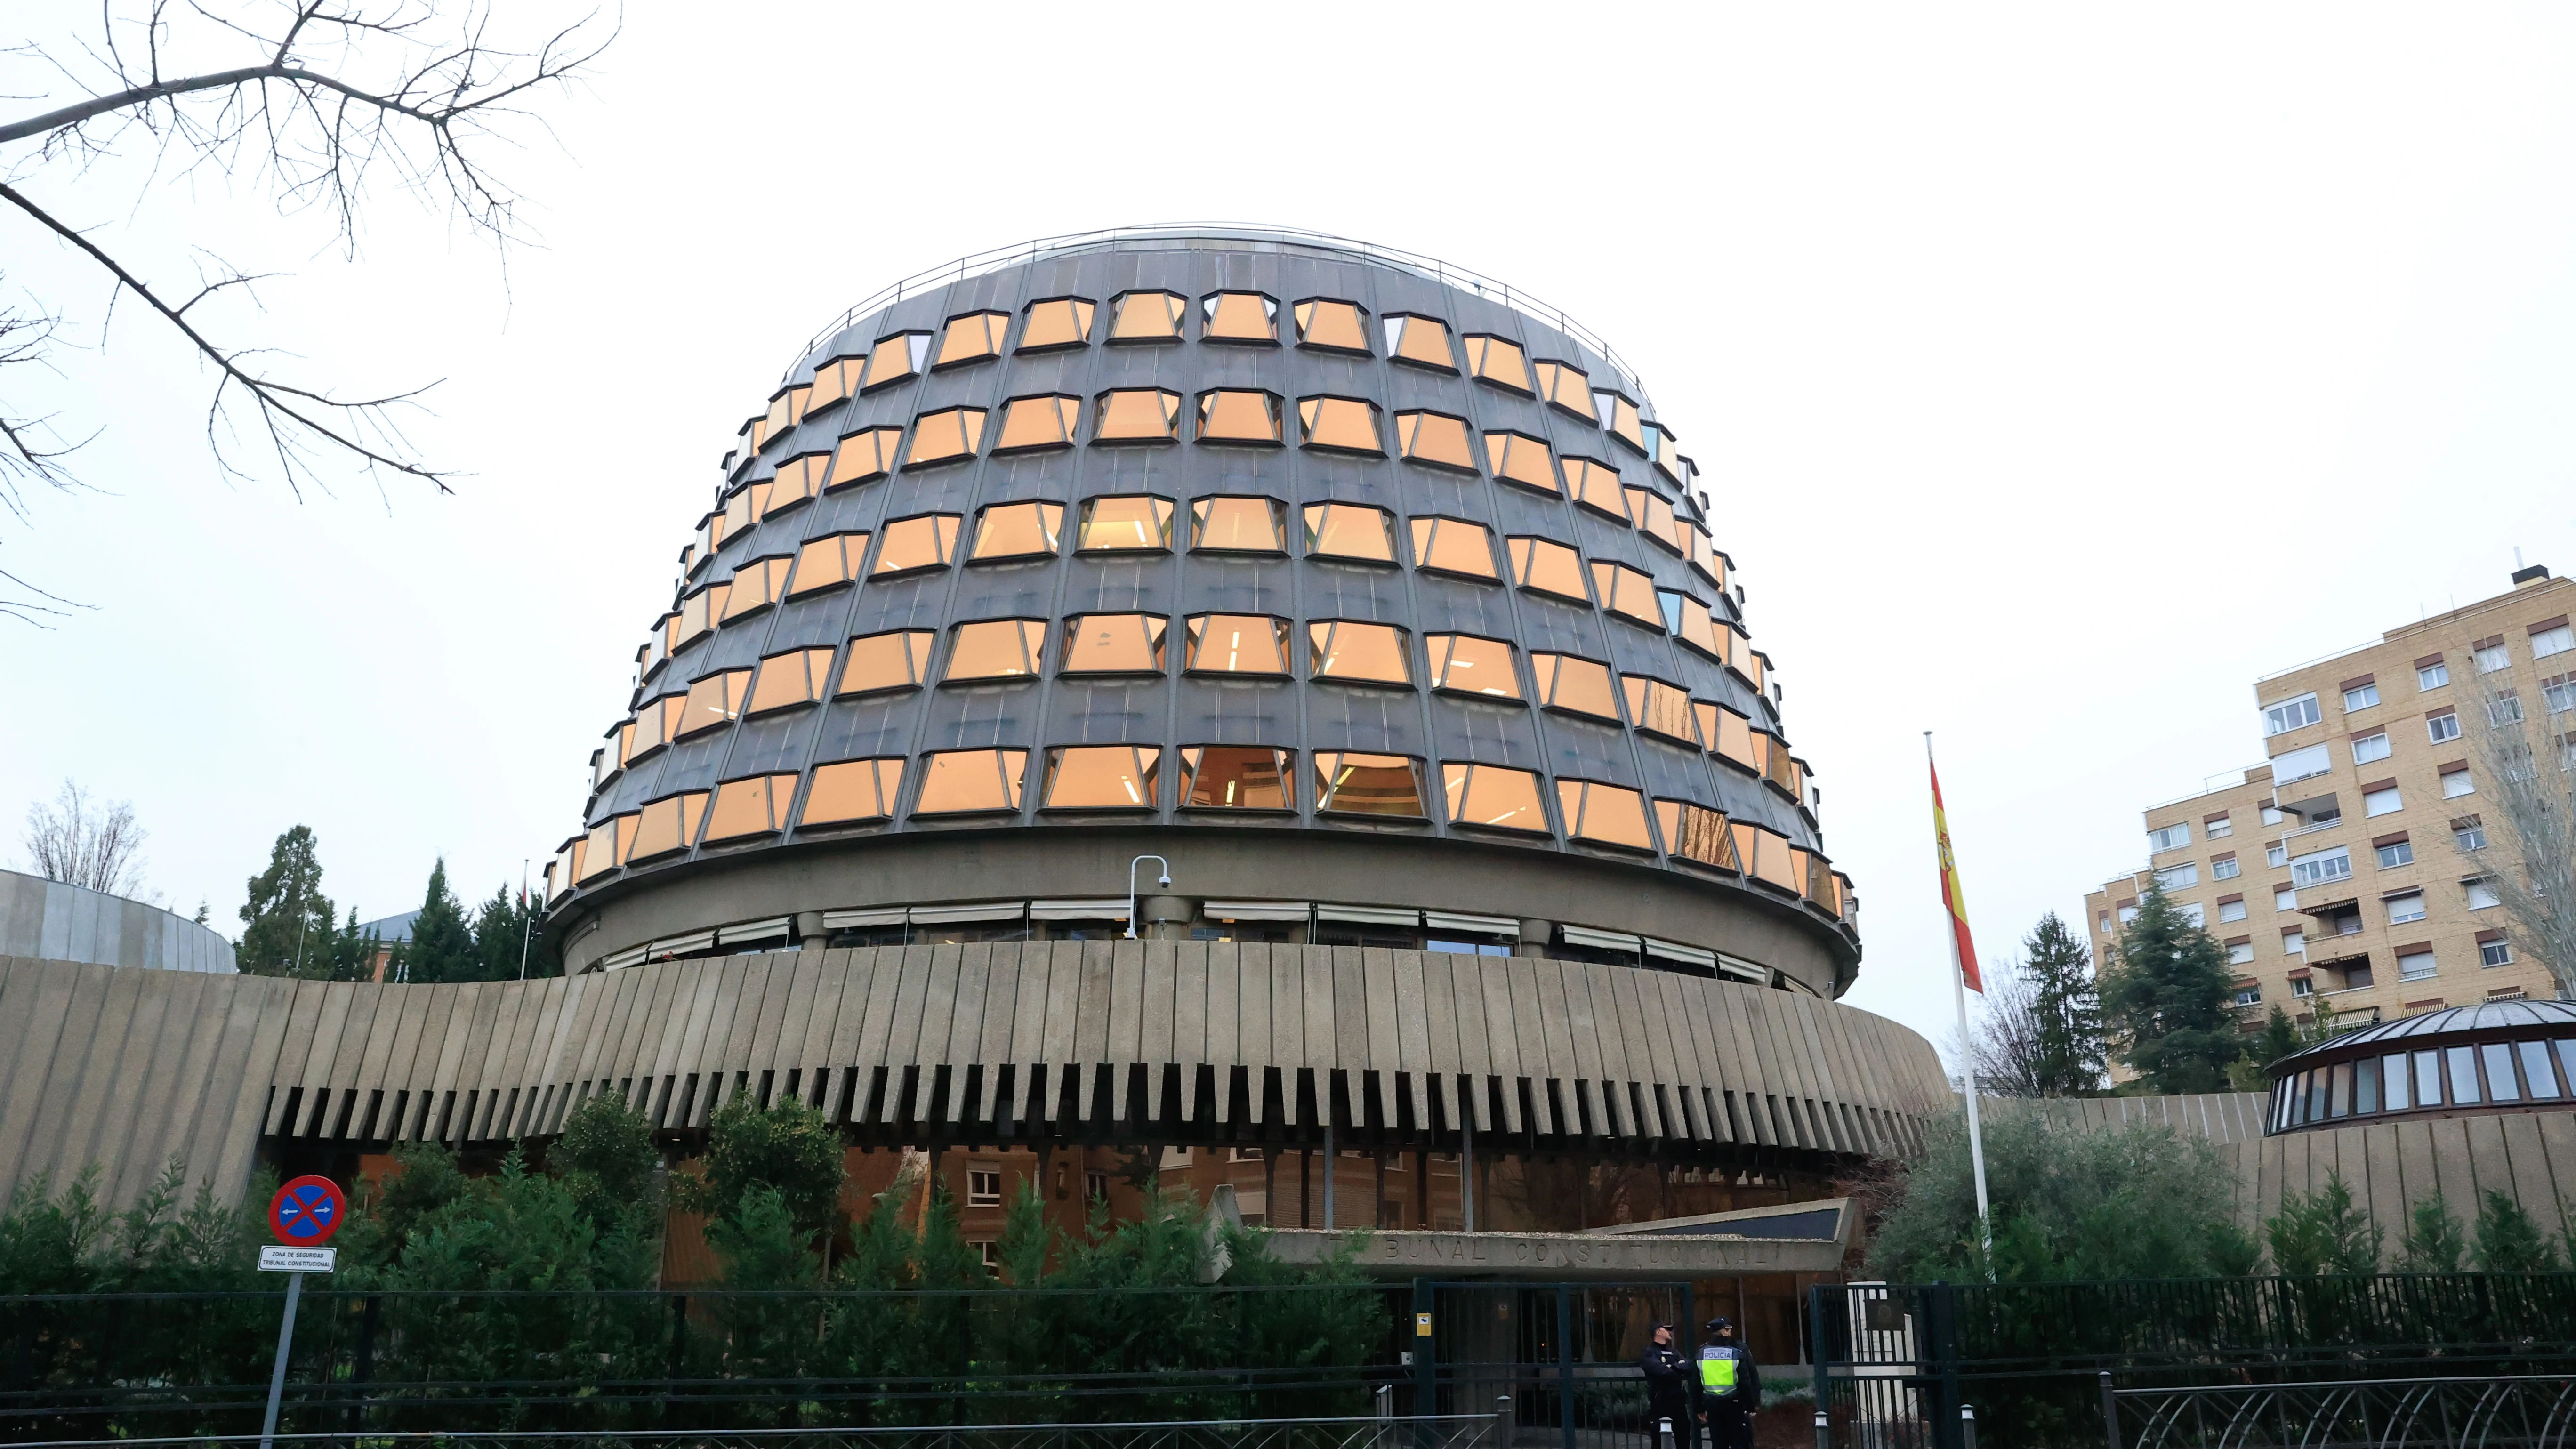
1449, 274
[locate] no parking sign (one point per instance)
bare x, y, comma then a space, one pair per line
307, 1211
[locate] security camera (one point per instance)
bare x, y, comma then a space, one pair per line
1166, 880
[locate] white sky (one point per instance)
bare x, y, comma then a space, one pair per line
2057, 370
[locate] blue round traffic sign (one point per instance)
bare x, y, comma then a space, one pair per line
307, 1211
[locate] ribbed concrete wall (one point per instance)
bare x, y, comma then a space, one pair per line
2221, 1117
57, 922
1145, 1041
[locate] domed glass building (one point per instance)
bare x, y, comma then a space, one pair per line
1377, 600
2497, 1056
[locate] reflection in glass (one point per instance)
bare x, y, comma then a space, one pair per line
1350, 531
1358, 653
1547, 567
2464, 1076
1237, 644
1033, 423
1236, 777
1114, 644
1694, 833
2536, 1069
1565, 386
1628, 592
2393, 1076
1620, 416
1464, 664
1499, 361
835, 380
1231, 523
1332, 326
712, 702
958, 782
896, 358
1236, 416
757, 585
896, 660
796, 677
1146, 317
1453, 546
666, 825
1017, 530
852, 790
1660, 708
1491, 797
923, 541
1056, 322
1519, 458
1652, 513
602, 852
2500, 1083
1355, 784
945, 436
799, 478
1102, 777
1342, 424
974, 337
1604, 814
1595, 485
997, 649
1239, 317
863, 457
1137, 415
1434, 438
2428, 1079
1126, 523
1574, 684
755, 806
1422, 341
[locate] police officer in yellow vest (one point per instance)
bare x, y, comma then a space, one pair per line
1730, 1387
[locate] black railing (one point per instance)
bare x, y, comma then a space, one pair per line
2512, 1411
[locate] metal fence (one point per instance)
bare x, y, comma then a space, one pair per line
1379, 1431
1895, 1364
2522, 1411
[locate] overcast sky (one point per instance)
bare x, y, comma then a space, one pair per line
2057, 372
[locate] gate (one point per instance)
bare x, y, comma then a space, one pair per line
1887, 1366
1564, 1354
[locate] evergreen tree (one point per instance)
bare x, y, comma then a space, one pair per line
442, 943
353, 951
2166, 999
2068, 1008
2432, 1242
504, 928
2509, 1241
2280, 1036
790, 1147
287, 921
2323, 1232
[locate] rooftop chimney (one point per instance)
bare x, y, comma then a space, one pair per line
2537, 573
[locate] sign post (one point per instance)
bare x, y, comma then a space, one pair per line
303, 1215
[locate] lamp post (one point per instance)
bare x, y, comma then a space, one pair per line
1164, 879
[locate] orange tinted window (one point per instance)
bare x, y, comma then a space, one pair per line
1102, 777
1620, 416
945, 436
667, 825
1356, 784
897, 660
1423, 341
1126, 523
1498, 361
1661, 709
1652, 513
797, 677
1227, 416
923, 541
957, 782
1697, 627
1235, 524
1627, 592
1031, 423
997, 649
1453, 546
1566, 386
850, 790
1236, 777
757, 584
1238, 644
1333, 326
1548, 567
835, 380
1491, 797
1604, 814
712, 702
1017, 530
700, 611
1519, 458
1694, 833
742, 510
825, 562
1350, 531
1734, 742
1574, 684
1239, 317
863, 456
1595, 486
972, 338
1358, 653
1434, 438
786, 409
1343, 424
799, 478
1146, 317
896, 358
1777, 864
1056, 322
1465, 664
755, 806
1114, 644
1137, 415
601, 851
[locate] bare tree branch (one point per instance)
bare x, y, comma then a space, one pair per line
90, 844
2530, 854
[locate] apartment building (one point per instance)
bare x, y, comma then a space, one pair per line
2345, 874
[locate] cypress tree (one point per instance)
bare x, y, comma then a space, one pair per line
2166, 1000
287, 922
2068, 1008
442, 944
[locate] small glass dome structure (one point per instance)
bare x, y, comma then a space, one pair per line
2497, 1056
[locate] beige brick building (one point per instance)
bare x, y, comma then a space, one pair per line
2344, 873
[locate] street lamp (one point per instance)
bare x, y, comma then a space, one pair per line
1164, 879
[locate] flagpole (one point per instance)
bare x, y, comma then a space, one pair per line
1967, 1043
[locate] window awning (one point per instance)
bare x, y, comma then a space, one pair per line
1488, 925
1687, 955
682, 945
854, 920
1255, 910
1106, 908
1369, 915
988, 911
1599, 940
1744, 969
769, 930
633, 956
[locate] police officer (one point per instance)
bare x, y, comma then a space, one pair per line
1730, 1387
1669, 1388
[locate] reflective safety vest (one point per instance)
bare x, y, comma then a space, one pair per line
1717, 1369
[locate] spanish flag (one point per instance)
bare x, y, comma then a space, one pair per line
1951, 899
